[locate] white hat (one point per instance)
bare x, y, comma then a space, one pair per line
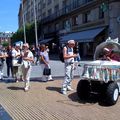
17, 45
71, 41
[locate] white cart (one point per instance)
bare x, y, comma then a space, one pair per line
101, 77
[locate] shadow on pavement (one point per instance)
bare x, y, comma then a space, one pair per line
7, 80
57, 89
15, 88
93, 99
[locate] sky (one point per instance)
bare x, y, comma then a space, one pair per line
9, 15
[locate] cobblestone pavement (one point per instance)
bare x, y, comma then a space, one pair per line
45, 102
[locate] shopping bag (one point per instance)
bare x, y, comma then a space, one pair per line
47, 71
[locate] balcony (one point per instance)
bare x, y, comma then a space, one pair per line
64, 11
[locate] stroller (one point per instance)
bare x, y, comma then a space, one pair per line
101, 76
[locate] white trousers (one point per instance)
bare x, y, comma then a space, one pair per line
26, 72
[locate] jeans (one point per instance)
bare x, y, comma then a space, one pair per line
8, 70
69, 70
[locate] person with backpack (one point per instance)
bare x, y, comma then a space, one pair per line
68, 56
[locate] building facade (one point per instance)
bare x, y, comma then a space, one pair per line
92, 21
5, 38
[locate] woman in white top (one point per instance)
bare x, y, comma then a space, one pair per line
15, 56
44, 61
28, 58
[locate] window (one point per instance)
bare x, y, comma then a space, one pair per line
56, 8
86, 1
86, 17
44, 15
75, 20
57, 26
101, 13
49, 2
66, 25
49, 12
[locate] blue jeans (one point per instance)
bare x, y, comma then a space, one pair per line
69, 70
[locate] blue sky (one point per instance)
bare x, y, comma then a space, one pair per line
9, 15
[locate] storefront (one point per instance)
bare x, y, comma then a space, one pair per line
87, 40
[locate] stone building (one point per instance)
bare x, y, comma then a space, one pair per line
5, 37
89, 22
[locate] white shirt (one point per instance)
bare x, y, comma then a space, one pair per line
15, 53
69, 52
29, 55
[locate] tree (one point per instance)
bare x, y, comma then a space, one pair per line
30, 34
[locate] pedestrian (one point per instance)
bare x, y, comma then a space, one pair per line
16, 55
2, 57
47, 49
28, 58
9, 61
110, 55
44, 61
37, 51
68, 56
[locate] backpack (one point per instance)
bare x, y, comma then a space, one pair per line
61, 54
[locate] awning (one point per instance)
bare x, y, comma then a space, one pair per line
83, 36
45, 40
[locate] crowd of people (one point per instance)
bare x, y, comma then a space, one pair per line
19, 60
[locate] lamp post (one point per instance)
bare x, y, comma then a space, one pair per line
23, 22
36, 36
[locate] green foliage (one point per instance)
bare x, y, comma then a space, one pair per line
5, 44
30, 34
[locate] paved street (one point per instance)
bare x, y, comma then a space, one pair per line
45, 102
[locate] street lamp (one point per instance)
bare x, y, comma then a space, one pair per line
23, 22
36, 36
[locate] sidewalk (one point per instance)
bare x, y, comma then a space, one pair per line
45, 102
57, 69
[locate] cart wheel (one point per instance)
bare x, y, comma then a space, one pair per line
83, 89
112, 93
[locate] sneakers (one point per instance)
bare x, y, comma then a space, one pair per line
69, 88
26, 89
50, 79
64, 92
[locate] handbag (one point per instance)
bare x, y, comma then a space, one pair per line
26, 64
19, 60
14, 62
47, 71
